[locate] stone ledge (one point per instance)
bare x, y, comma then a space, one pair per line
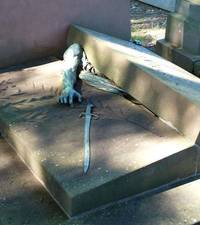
132, 151
183, 200
191, 37
147, 77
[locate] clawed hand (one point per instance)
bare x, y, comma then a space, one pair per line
68, 95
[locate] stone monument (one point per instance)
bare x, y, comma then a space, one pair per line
182, 40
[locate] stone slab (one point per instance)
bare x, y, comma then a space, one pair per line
176, 206
132, 150
36, 29
175, 29
168, 5
169, 91
23, 200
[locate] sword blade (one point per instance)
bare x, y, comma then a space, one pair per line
88, 117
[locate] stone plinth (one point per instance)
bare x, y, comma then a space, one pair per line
34, 29
133, 148
129, 145
183, 35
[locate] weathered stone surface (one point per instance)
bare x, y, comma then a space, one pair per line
166, 89
189, 9
35, 29
179, 205
165, 49
168, 5
23, 200
131, 150
197, 68
182, 35
191, 37
175, 29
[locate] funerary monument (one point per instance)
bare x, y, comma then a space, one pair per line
182, 41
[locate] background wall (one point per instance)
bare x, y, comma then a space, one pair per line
31, 29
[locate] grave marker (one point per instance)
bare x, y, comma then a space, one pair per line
132, 150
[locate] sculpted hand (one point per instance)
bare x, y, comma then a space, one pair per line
68, 95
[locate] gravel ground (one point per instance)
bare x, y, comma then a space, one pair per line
23, 200
148, 23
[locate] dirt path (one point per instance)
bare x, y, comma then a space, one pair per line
148, 23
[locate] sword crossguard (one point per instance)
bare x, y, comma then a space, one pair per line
94, 115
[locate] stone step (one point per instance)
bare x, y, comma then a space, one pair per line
24, 201
176, 206
132, 150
